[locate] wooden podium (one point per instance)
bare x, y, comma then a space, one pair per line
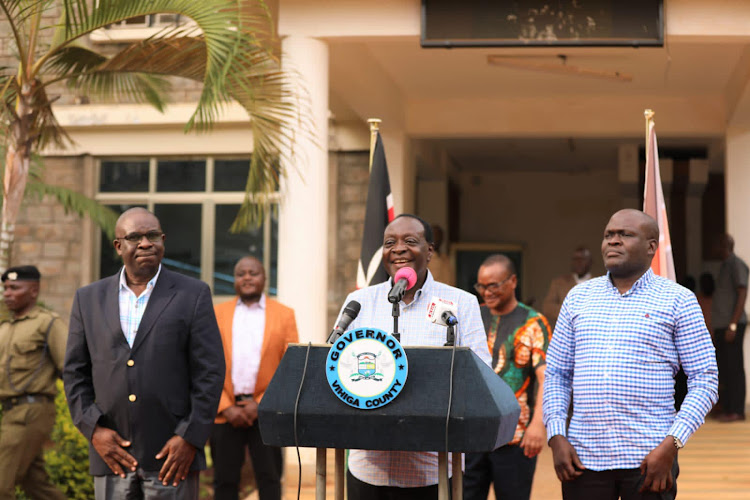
483, 411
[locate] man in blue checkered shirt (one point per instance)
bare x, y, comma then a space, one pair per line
617, 345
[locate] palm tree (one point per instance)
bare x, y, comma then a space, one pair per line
226, 47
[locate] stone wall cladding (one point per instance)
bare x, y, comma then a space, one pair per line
50, 239
352, 176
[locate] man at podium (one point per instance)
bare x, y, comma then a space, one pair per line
406, 243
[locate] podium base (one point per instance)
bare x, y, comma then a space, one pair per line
444, 491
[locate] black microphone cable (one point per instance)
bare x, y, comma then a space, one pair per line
450, 404
296, 408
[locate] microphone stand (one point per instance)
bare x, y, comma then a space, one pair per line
395, 313
451, 336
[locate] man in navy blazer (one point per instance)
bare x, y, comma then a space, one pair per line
144, 370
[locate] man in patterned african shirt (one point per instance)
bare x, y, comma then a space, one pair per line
517, 337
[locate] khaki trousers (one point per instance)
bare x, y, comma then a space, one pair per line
23, 431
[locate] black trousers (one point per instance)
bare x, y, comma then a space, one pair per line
731, 361
614, 484
511, 472
228, 454
359, 490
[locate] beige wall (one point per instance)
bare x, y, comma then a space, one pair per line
356, 18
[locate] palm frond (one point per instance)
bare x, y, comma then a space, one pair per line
178, 56
277, 114
256, 81
229, 28
262, 180
88, 73
229, 50
73, 201
215, 18
7, 99
251, 215
72, 59
135, 87
42, 124
15, 16
47, 128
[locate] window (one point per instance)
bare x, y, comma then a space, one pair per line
196, 199
151, 20
141, 28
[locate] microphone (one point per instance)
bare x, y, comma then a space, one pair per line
404, 280
442, 312
349, 314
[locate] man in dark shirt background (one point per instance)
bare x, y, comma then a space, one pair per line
729, 320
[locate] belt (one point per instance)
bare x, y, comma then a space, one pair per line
243, 397
9, 403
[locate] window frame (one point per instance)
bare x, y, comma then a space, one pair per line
208, 199
122, 32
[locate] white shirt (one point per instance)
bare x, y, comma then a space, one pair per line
583, 278
132, 307
407, 469
248, 325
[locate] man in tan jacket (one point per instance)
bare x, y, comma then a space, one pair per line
255, 331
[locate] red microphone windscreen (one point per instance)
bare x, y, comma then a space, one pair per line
407, 273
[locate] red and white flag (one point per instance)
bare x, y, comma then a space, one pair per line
653, 205
378, 214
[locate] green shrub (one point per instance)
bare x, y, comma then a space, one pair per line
68, 459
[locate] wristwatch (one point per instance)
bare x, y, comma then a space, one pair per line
733, 327
677, 443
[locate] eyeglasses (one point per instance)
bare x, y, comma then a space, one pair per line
491, 287
152, 236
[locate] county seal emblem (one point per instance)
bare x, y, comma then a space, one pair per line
366, 368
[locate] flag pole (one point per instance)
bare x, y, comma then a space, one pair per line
374, 128
648, 114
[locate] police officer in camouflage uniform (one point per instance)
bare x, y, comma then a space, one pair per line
32, 350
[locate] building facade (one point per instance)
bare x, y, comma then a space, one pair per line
531, 156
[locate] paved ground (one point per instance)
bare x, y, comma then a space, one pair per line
714, 464
546, 486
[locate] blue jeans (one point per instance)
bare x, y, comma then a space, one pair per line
507, 468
